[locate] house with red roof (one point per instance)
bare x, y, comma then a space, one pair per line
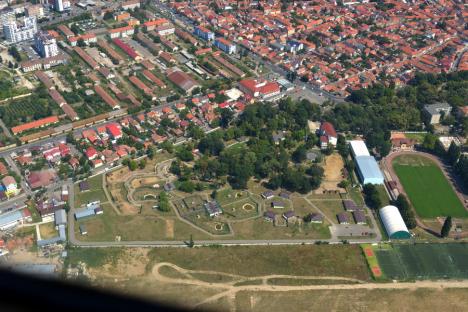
327, 134
114, 131
262, 89
91, 153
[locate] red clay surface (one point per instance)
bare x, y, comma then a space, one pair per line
369, 252
376, 271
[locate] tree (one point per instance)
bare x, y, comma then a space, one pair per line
446, 227
194, 131
81, 42
132, 165
429, 141
191, 243
108, 15
342, 147
164, 202
167, 145
187, 186
211, 145
185, 154
453, 153
300, 154
142, 164
406, 212
372, 196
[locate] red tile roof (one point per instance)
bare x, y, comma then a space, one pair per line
35, 124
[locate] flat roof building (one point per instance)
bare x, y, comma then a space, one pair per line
368, 170
358, 148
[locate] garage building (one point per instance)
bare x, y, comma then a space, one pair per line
393, 223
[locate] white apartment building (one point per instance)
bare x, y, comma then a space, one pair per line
46, 45
20, 30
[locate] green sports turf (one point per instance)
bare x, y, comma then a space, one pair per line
427, 188
424, 261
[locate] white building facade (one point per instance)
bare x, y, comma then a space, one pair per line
15, 32
46, 45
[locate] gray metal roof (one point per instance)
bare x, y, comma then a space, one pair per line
60, 217
369, 167
10, 217
83, 213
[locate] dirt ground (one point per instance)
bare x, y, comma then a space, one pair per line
332, 173
133, 275
147, 181
169, 228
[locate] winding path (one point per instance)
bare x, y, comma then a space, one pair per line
230, 289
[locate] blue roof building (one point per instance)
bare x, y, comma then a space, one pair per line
368, 170
11, 219
83, 213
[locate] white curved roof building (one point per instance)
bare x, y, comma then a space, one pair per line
393, 223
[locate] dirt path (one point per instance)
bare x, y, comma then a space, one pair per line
229, 289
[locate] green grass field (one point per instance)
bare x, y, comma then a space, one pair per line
427, 188
424, 261
317, 260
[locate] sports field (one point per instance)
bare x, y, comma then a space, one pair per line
427, 188
423, 261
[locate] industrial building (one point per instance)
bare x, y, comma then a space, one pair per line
358, 148
367, 168
393, 223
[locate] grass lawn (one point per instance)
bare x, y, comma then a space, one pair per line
331, 208
94, 257
149, 225
95, 192
316, 260
427, 188
260, 229
48, 230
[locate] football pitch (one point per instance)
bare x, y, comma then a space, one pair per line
423, 261
427, 188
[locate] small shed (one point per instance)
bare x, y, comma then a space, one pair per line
285, 194
83, 230
84, 186
213, 208
168, 187
277, 205
269, 216
314, 218
268, 194
342, 218
359, 217
350, 205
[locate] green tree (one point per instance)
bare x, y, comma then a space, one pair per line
164, 202
446, 227
132, 165
300, 154
372, 196
453, 153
